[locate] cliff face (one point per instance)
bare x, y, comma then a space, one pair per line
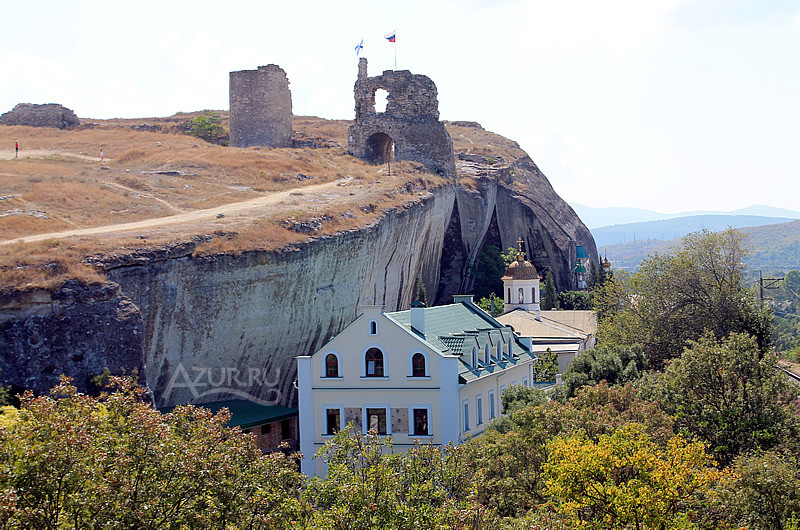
232, 325
214, 327
77, 330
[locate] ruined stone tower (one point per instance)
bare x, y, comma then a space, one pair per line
409, 129
261, 108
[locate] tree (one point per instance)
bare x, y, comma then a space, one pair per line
71, 460
605, 362
208, 126
728, 394
546, 369
549, 294
488, 269
370, 486
575, 300
626, 480
675, 298
422, 294
486, 304
517, 397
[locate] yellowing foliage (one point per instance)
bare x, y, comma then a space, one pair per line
625, 479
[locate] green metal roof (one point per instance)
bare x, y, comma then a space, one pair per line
246, 414
580, 252
454, 328
579, 268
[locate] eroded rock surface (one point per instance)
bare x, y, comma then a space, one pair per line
78, 331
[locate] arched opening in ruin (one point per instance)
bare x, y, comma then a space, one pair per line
381, 99
380, 148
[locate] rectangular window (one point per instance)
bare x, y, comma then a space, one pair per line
333, 421
376, 419
421, 422
525, 381
286, 429
266, 428
466, 415
479, 410
491, 405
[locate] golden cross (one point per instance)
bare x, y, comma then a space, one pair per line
519, 243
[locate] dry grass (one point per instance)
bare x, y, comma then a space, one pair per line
68, 187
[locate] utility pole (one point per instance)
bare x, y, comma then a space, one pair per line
766, 284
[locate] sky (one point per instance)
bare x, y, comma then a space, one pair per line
666, 105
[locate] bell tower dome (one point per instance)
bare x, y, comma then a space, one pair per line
521, 285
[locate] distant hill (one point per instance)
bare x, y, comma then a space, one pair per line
673, 228
600, 217
775, 248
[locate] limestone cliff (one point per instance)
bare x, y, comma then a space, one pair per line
232, 325
78, 330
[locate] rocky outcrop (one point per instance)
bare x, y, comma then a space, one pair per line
223, 326
507, 200
47, 115
77, 331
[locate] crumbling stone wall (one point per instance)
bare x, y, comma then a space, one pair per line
47, 115
261, 108
409, 129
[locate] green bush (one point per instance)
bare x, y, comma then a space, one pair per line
208, 126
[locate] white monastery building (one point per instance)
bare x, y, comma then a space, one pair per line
434, 374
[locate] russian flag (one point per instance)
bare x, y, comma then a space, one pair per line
390, 36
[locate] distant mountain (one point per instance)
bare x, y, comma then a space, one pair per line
599, 217
775, 249
677, 227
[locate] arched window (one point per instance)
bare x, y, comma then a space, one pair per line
499, 351
508, 299
331, 365
521, 296
486, 355
374, 360
417, 365
373, 327
474, 357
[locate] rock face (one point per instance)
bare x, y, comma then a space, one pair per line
409, 129
77, 331
261, 108
47, 115
510, 200
231, 326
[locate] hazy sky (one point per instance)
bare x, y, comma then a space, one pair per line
668, 105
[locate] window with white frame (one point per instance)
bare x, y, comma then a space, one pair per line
376, 417
334, 419
479, 410
474, 357
525, 381
373, 360
499, 350
331, 365
465, 408
492, 412
373, 327
418, 365
419, 420
486, 355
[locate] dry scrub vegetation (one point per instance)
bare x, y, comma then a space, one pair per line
59, 184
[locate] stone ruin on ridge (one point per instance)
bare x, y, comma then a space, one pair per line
47, 115
409, 129
261, 108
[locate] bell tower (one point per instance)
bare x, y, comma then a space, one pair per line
521, 285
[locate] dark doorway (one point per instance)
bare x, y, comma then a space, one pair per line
380, 148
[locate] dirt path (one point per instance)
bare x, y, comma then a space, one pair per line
228, 210
8, 154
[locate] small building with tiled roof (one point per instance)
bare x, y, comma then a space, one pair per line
430, 373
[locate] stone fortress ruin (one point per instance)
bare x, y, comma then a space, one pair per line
261, 108
409, 129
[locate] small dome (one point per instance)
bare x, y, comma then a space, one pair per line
521, 270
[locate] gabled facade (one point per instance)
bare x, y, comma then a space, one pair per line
434, 374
